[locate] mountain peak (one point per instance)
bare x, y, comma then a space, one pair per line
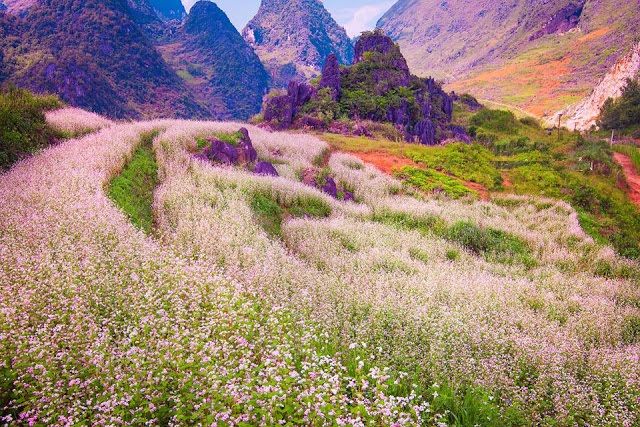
294, 38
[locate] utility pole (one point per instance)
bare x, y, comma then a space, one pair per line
559, 121
613, 131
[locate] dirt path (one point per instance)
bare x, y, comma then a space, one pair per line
386, 162
633, 178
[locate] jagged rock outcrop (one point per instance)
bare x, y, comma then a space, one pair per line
294, 37
583, 115
169, 10
215, 62
331, 76
378, 87
242, 154
562, 21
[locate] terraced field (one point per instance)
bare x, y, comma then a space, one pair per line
254, 300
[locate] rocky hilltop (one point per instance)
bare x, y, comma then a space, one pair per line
377, 88
294, 37
214, 61
537, 55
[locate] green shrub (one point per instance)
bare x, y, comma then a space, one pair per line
498, 120
495, 245
631, 330
470, 162
23, 127
623, 112
430, 181
270, 213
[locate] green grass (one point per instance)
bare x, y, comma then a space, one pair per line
433, 181
23, 127
132, 190
270, 213
232, 138
470, 162
494, 245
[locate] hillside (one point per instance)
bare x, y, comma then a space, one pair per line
537, 55
294, 37
214, 62
242, 290
93, 55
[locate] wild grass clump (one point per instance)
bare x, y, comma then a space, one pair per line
632, 151
271, 214
23, 126
132, 190
432, 181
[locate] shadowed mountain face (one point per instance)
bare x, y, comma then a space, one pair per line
169, 9
294, 37
218, 66
538, 55
94, 56
107, 56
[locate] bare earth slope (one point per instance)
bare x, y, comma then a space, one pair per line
534, 54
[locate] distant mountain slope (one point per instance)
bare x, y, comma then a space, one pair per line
538, 55
584, 115
214, 61
169, 9
93, 55
294, 37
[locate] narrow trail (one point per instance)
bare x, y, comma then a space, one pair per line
632, 176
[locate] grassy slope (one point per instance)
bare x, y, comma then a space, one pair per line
23, 128
519, 157
132, 190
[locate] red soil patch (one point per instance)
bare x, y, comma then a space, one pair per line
593, 35
387, 163
506, 180
633, 179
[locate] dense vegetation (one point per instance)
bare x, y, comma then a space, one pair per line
623, 112
23, 129
519, 156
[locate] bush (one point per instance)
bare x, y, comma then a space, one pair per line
23, 127
623, 112
498, 120
432, 181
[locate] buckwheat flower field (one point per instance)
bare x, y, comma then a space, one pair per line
394, 309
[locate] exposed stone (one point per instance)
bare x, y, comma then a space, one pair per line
278, 111
348, 196
265, 168
222, 152
375, 41
299, 94
425, 131
246, 152
562, 21
330, 187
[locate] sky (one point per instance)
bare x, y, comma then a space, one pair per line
354, 15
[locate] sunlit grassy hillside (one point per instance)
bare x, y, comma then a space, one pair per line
256, 300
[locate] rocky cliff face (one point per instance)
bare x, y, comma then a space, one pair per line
583, 115
216, 63
538, 55
168, 10
294, 37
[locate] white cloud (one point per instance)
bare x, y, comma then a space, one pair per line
365, 17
